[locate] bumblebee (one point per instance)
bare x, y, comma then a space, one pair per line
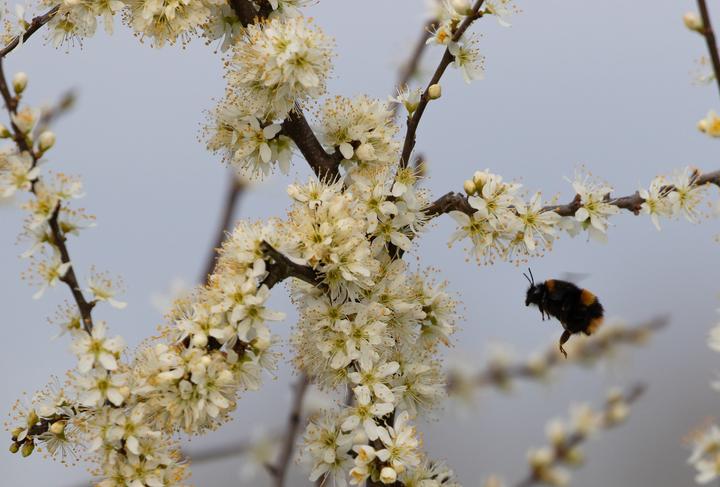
577, 309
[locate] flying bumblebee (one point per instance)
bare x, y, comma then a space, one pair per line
577, 309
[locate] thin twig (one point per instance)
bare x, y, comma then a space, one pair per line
576, 439
410, 67
35, 24
279, 470
459, 202
707, 32
51, 114
234, 191
85, 306
414, 121
589, 351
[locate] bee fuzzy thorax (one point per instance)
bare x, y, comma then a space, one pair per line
577, 309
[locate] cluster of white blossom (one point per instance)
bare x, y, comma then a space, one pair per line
274, 65
161, 21
99, 405
449, 15
565, 437
501, 224
362, 130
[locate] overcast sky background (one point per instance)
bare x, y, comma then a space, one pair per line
605, 84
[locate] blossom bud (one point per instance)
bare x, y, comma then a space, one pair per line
462, 7
479, 178
261, 343
27, 449
702, 125
199, 340
19, 82
388, 475
365, 152
435, 91
57, 428
16, 432
4, 132
469, 186
14, 447
46, 140
574, 456
693, 22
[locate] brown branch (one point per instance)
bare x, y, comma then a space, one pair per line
414, 121
707, 32
279, 470
459, 202
562, 451
35, 24
85, 307
235, 190
244, 10
585, 352
281, 267
325, 166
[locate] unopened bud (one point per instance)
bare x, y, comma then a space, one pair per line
19, 82
261, 343
693, 22
4, 132
365, 152
57, 428
388, 475
16, 432
479, 178
27, 449
469, 186
14, 447
46, 140
462, 7
574, 456
702, 125
435, 91
32, 418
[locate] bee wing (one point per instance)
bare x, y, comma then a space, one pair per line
575, 277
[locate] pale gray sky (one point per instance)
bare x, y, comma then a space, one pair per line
606, 84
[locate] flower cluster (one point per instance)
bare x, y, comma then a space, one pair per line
500, 224
368, 326
161, 21
274, 65
280, 62
565, 437
362, 130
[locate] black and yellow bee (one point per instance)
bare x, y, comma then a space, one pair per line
577, 309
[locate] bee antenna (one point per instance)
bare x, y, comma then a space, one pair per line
531, 281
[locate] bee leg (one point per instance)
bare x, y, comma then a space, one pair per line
564, 338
